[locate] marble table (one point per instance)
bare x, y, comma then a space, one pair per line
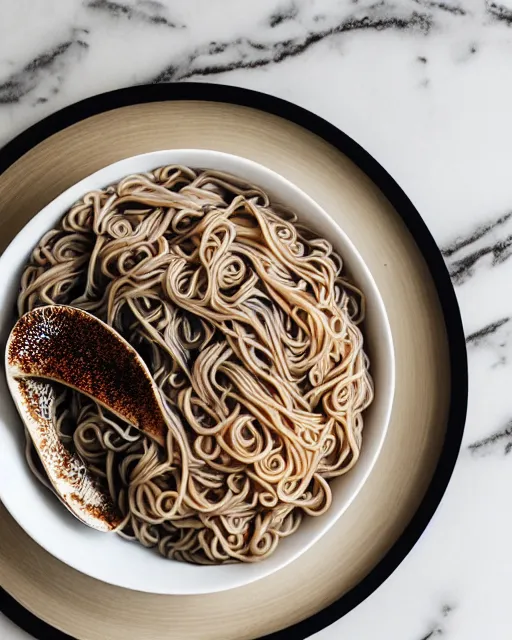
426, 87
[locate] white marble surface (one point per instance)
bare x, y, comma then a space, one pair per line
426, 87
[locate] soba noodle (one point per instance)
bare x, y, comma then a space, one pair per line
251, 333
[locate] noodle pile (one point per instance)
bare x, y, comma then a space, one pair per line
251, 333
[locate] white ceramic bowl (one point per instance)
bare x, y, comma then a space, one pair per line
106, 556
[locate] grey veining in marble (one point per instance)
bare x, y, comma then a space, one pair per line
488, 244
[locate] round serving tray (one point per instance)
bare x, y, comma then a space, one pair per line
52, 601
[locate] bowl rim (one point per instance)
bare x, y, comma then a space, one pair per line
62, 203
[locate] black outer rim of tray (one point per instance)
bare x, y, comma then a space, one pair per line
404, 207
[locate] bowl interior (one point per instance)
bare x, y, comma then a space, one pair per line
108, 557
